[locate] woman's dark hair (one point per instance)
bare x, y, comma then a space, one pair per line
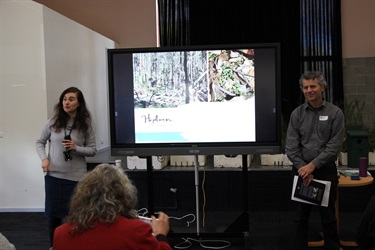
82, 119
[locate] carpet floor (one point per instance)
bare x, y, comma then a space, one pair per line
268, 230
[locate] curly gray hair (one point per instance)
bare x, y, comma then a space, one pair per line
102, 195
311, 75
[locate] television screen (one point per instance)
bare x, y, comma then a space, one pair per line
206, 100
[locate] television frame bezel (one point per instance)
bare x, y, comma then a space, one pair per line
210, 148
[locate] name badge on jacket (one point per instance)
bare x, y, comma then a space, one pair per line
323, 118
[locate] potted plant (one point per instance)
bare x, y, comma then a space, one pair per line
353, 111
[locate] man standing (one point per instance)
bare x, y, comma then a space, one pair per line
314, 138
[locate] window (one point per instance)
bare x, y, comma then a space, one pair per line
320, 48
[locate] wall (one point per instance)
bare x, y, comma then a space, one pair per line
358, 33
81, 61
23, 102
358, 39
42, 53
131, 24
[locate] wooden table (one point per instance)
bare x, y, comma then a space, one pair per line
344, 182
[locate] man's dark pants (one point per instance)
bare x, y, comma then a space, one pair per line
327, 214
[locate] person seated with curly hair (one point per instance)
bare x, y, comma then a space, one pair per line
5, 244
102, 215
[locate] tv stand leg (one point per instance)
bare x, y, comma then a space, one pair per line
246, 237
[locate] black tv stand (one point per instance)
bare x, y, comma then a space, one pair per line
239, 228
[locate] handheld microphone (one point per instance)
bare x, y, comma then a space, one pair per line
67, 155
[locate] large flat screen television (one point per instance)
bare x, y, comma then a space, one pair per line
195, 100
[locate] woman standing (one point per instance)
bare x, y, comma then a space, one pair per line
71, 138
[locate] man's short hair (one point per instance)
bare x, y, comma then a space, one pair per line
311, 75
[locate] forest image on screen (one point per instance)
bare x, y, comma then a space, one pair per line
194, 96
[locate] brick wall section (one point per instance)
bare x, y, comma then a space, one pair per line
359, 83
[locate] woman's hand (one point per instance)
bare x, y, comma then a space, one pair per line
45, 166
69, 145
161, 224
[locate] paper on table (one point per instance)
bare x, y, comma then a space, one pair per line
325, 194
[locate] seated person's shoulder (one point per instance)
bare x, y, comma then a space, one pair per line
5, 244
